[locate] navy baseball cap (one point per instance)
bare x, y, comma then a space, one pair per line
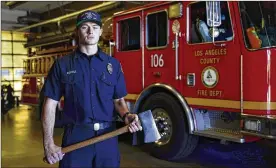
89, 16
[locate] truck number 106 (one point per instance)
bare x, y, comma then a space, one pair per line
156, 60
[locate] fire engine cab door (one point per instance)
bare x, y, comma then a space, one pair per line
211, 67
129, 49
159, 51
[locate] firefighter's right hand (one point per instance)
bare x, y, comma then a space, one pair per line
53, 153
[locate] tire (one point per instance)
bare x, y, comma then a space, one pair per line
180, 143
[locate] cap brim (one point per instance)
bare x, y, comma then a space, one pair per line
94, 21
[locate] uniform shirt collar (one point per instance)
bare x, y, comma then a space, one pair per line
99, 54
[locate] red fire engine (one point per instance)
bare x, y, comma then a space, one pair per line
203, 68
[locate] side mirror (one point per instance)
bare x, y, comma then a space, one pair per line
213, 13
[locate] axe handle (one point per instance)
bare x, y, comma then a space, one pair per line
93, 140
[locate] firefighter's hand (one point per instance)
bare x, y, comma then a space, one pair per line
134, 123
53, 153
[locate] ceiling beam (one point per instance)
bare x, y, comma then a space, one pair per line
14, 4
72, 15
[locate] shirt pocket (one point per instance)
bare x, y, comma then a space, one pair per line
72, 85
105, 87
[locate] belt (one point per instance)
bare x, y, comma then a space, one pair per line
99, 126
95, 126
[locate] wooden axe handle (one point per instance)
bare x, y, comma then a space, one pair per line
93, 140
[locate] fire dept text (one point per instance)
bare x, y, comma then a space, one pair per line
211, 93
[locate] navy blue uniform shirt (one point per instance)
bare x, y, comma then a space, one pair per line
88, 84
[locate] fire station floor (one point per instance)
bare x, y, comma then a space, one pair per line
22, 144
22, 147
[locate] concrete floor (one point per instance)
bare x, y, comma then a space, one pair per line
22, 147
22, 144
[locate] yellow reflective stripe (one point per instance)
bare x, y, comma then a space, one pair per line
232, 104
247, 105
132, 96
214, 102
30, 95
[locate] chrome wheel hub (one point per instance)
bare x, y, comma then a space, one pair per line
164, 125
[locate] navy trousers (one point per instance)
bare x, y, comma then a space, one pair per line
103, 154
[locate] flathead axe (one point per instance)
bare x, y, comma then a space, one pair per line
146, 119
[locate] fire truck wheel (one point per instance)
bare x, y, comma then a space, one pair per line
176, 143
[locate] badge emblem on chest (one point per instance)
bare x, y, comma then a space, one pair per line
109, 68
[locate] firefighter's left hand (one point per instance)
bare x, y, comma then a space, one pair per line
134, 123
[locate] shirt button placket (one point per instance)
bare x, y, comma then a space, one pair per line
92, 87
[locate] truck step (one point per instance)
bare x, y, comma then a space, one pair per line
224, 134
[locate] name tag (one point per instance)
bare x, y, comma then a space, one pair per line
71, 72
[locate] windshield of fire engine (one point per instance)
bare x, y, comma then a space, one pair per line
259, 23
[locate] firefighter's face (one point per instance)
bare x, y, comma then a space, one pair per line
89, 33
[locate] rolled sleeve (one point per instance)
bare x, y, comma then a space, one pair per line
52, 86
120, 88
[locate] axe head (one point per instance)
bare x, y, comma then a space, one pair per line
150, 130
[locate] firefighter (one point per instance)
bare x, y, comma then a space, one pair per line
93, 85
